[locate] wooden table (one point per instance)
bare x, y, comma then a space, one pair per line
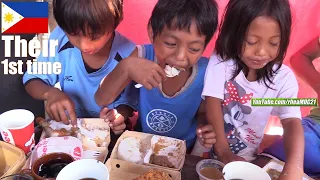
189, 169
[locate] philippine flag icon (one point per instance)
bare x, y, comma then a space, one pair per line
24, 17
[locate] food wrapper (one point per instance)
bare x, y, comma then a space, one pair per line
132, 143
148, 149
166, 152
67, 144
58, 129
130, 149
94, 134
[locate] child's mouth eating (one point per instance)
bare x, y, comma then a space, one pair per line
171, 71
259, 62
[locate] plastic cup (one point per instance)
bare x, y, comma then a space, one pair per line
17, 128
209, 163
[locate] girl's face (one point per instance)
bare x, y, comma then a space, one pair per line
261, 44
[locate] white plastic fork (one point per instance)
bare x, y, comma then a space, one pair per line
138, 86
90, 154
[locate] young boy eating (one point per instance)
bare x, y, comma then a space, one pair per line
88, 49
169, 103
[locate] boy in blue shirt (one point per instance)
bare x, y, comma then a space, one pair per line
88, 49
168, 106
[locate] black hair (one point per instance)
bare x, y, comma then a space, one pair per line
92, 18
237, 18
180, 14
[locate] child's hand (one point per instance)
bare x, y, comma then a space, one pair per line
145, 72
115, 119
59, 106
228, 157
291, 171
291, 175
206, 135
284, 176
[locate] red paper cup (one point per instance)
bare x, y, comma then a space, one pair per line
17, 128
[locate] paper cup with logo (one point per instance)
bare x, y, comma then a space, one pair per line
84, 169
244, 170
17, 128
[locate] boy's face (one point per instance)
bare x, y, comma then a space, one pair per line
178, 45
262, 42
88, 45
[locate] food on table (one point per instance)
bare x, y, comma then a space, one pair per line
52, 130
154, 175
171, 71
130, 149
274, 174
161, 161
96, 124
94, 133
52, 168
167, 152
211, 173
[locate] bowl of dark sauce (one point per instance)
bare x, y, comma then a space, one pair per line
48, 166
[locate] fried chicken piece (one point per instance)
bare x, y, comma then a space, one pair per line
154, 175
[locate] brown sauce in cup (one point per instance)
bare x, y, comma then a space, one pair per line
211, 173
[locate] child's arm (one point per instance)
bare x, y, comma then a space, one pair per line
201, 113
301, 63
293, 135
57, 101
294, 148
41, 86
140, 70
205, 130
113, 84
215, 118
213, 92
39, 90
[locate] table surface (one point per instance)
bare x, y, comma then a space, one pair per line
188, 171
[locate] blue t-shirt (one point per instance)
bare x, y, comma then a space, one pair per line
74, 79
172, 116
